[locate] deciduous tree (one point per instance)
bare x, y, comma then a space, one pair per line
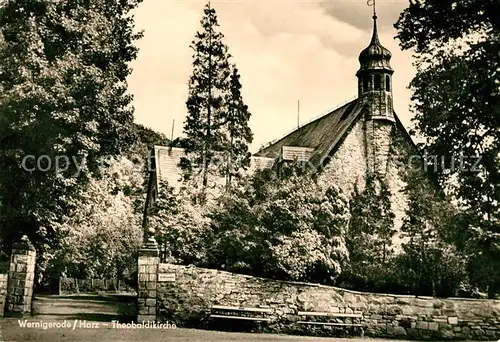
100, 235
456, 96
286, 228
429, 263
63, 70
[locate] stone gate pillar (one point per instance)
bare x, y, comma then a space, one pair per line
147, 273
147, 277
3, 292
21, 278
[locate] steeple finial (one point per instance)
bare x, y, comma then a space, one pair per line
372, 4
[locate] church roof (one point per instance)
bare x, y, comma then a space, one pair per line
167, 160
322, 135
167, 168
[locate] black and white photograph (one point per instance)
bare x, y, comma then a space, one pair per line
249, 170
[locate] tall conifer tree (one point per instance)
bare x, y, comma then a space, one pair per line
208, 87
239, 134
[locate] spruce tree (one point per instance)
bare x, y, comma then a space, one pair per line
208, 88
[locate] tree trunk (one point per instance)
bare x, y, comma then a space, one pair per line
383, 253
118, 276
209, 115
229, 174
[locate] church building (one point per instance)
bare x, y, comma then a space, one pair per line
361, 138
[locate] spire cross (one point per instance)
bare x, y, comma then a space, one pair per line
373, 4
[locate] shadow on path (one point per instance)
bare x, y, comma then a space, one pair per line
93, 307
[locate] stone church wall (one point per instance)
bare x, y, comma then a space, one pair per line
347, 166
398, 162
185, 295
350, 163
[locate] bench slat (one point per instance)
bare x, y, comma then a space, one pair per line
234, 308
329, 314
335, 324
243, 318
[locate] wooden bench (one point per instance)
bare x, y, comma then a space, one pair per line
309, 318
241, 313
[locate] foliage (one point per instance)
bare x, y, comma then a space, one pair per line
149, 137
429, 265
180, 142
262, 225
63, 70
456, 94
238, 133
369, 238
101, 234
478, 241
282, 228
425, 25
217, 118
180, 226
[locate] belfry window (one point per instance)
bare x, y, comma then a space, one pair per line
378, 82
365, 84
387, 83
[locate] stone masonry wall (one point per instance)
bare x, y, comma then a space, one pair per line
21, 278
3, 292
185, 295
146, 292
378, 136
347, 166
350, 163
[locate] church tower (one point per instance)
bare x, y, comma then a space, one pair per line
375, 76
375, 90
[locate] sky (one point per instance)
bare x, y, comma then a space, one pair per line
286, 51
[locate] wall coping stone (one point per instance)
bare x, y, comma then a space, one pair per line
149, 251
473, 299
24, 244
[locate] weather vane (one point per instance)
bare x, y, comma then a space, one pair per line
372, 4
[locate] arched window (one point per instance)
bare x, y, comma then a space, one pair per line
365, 84
378, 82
387, 83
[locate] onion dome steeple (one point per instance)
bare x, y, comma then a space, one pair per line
375, 56
375, 75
